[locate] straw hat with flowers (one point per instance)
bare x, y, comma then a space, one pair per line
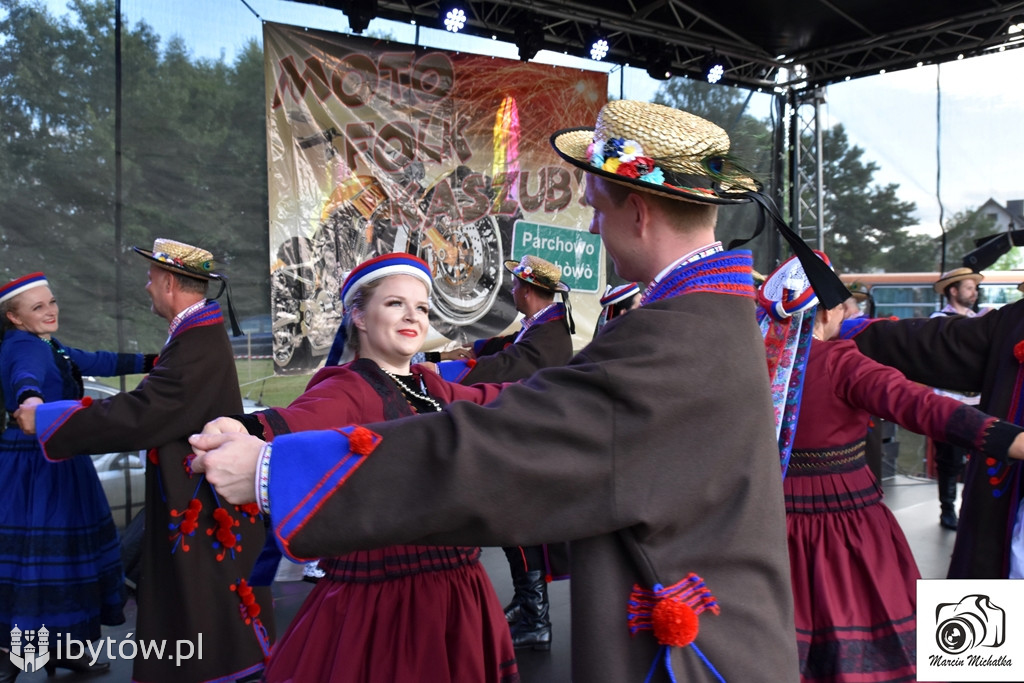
181, 258
658, 149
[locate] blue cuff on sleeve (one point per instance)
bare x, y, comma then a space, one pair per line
306, 468
51, 416
453, 370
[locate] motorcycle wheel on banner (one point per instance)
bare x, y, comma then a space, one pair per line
467, 261
470, 301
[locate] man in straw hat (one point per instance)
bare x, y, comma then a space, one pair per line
653, 451
543, 341
960, 289
970, 354
198, 550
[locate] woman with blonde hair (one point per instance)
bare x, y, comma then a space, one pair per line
60, 561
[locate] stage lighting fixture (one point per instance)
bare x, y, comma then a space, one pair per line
529, 38
360, 13
713, 68
454, 19
659, 64
599, 48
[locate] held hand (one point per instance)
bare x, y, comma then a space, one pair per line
26, 414
229, 461
461, 353
224, 425
1017, 447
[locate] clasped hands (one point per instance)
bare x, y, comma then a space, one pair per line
229, 456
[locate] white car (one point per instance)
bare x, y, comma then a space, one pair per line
123, 475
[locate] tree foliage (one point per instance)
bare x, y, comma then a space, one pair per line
866, 225
193, 160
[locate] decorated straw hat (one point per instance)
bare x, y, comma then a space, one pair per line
956, 275
858, 291
381, 267
658, 149
539, 272
181, 258
22, 284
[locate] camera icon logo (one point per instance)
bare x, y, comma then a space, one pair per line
972, 622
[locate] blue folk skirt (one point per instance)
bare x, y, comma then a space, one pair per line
60, 559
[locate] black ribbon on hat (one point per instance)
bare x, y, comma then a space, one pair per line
236, 331
827, 286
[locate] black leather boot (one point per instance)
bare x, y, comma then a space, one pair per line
947, 501
515, 567
513, 612
533, 629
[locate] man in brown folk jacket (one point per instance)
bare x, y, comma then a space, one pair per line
652, 451
198, 550
545, 340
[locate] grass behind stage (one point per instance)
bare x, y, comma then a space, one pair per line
256, 379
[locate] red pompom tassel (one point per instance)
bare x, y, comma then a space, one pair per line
361, 440
674, 622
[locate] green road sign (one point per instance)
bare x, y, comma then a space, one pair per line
577, 252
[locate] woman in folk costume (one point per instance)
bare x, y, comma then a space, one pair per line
60, 562
852, 570
403, 612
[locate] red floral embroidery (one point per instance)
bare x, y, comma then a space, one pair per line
86, 401
188, 525
250, 510
226, 539
249, 609
1018, 352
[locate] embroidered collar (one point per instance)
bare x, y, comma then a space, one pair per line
723, 272
694, 255
200, 314
553, 311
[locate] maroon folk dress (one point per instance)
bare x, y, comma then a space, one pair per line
414, 613
853, 572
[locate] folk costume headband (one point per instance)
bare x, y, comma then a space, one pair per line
365, 273
672, 153
619, 294
384, 266
184, 259
22, 284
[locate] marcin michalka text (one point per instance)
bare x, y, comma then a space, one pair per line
970, 660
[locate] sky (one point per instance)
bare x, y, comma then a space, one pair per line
893, 116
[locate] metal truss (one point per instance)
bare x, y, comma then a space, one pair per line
798, 45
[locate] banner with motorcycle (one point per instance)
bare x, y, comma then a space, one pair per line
376, 147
